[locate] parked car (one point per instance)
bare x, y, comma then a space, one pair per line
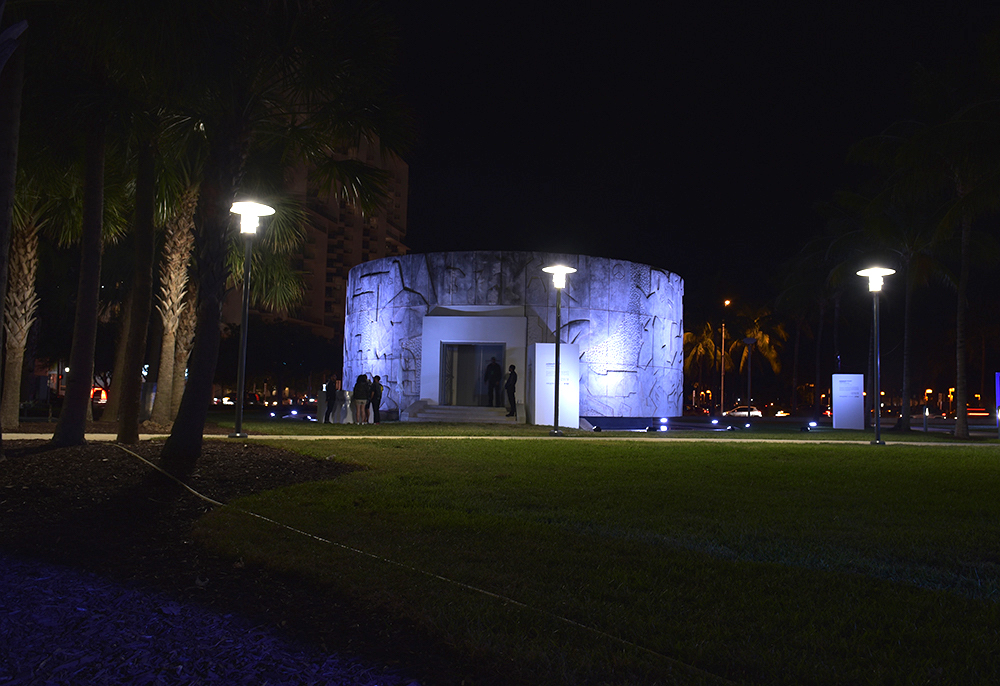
918, 413
744, 411
695, 410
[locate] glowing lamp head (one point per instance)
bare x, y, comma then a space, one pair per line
249, 212
558, 273
875, 275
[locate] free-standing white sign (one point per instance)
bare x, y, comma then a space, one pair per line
848, 401
541, 384
996, 399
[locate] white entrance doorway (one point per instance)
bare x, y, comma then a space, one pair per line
463, 372
457, 347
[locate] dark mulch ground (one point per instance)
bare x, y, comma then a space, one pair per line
93, 509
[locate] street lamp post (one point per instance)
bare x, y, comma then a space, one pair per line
558, 273
874, 275
722, 365
249, 213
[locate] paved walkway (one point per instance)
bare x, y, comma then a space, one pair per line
637, 436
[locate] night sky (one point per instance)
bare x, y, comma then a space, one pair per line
697, 139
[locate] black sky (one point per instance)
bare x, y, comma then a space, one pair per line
696, 138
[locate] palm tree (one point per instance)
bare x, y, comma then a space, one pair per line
142, 291
913, 235
11, 82
21, 301
19, 314
73, 417
763, 334
100, 81
302, 82
274, 285
173, 292
952, 151
700, 354
802, 297
79, 75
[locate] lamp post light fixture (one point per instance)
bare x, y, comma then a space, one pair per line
250, 213
558, 273
875, 279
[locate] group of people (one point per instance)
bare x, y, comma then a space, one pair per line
367, 395
367, 399
492, 378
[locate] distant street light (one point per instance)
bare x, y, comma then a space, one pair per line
558, 273
249, 212
875, 280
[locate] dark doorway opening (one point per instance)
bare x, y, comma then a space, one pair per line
463, 368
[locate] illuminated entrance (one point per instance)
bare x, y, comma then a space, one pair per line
463, 369
458, 344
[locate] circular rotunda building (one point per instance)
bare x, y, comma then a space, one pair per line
429, 324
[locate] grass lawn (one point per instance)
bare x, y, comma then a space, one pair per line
661, 561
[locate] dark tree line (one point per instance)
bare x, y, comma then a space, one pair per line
146, 104
927, 209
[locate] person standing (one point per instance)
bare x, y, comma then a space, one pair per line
510, 386
376, 399
331, 398
362, 393
492, 378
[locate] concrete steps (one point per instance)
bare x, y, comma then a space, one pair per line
461, 415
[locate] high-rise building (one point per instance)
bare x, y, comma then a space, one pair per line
338, 237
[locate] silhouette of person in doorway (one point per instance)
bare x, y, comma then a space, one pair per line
492, 378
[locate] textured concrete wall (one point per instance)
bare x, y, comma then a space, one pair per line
626, 317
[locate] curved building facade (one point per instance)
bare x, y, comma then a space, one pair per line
428, 325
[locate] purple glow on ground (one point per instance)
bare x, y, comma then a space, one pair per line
60, 626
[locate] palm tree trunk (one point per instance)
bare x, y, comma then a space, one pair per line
982, 368
113, 406
836, 333
174, 281
165, 378
11, 80
182, 345
817, 392
904, 404
218, 188
795, 366
961, 358
13, 364
72, 423
142, 295
20, 308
